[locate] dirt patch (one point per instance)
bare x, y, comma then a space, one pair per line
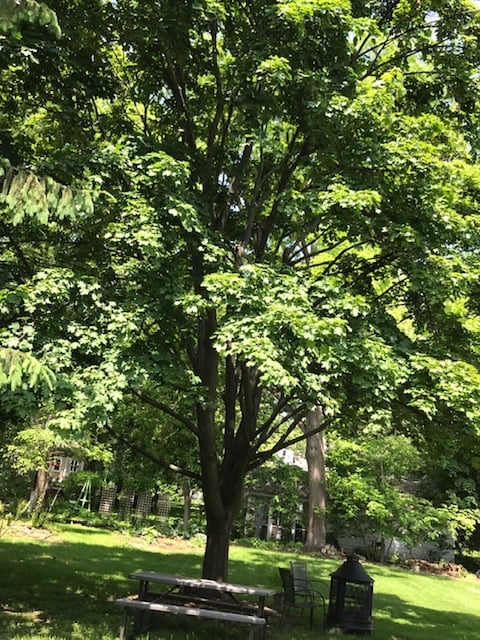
26, 531
171, 544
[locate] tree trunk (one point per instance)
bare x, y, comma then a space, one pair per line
39, 491
222, 479
187, 504
221, 509
315, 454
215, 559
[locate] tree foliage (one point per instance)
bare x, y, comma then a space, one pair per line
378, 493
285, 217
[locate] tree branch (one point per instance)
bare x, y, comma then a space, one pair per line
153, 402
220, 101
178, 89
284, 442
149, 456
17, 249
330, 264
272, 425
286, 171
230, 394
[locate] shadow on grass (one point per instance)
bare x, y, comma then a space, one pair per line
66, 590
60, 585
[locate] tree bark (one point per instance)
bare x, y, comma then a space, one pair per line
187, 504
316, 535
215, 559
39, 491
222, 505
222, 478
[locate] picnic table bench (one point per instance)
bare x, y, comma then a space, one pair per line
193, 597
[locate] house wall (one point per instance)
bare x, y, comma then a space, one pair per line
62, 466
393, 547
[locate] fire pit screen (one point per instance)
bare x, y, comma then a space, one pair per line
351, 598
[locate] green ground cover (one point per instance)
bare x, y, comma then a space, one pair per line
61, 587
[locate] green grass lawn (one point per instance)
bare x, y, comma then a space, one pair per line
62, 588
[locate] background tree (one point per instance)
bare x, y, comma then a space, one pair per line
315, 454
379, 493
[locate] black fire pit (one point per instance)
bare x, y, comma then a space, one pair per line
351, 598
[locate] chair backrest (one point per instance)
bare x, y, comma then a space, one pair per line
287, 584
300, 575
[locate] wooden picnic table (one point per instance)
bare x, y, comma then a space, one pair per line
206, 586
196, 597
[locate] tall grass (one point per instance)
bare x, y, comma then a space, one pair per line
62, 588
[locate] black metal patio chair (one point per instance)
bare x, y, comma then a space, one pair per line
305, 600
303, 584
